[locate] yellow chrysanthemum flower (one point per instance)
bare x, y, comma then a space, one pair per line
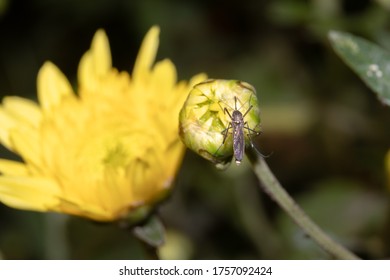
104, 153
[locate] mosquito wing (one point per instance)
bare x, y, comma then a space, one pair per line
238, 142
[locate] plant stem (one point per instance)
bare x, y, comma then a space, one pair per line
55, 236
275, 190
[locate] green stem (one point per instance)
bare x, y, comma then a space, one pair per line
56, 242
274, 189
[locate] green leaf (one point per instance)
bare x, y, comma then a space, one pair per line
152, 232
369, 61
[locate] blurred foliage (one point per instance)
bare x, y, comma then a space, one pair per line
325, 132
368, 60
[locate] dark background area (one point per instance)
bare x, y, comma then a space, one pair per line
325, 132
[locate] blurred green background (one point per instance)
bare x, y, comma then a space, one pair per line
325, 132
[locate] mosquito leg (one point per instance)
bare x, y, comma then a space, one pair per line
253, 132
227, 111
225, 132
247, 111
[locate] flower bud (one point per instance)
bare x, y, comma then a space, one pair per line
206, 119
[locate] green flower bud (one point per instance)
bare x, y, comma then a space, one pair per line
219, 119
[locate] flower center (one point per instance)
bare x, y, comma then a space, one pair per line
116, 157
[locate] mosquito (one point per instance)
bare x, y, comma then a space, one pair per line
238, 124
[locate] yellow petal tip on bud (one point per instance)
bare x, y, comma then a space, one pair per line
219, 119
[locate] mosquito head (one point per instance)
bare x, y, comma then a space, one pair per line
237, 116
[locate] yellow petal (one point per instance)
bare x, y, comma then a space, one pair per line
183, 88
53, 86
91, 211
39, 194
6, 124
26, 143
173, 157
15, 168
101, 53
197, 79
24, 110
147, 54
15, 114
96, 63
163, 80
